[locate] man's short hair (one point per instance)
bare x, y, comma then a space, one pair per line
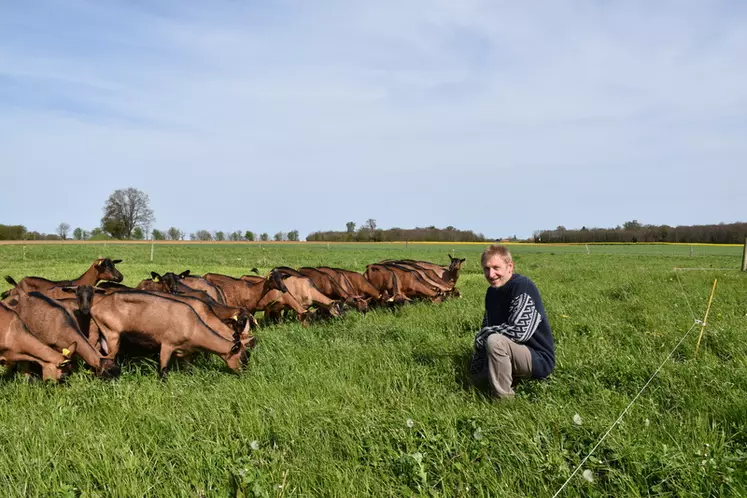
496, 250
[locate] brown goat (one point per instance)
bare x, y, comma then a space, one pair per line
248, 291
198, 283
52, 324
101, 269
336, 286
172, 284
361, 285
304, 292
429, 276
413, 284
386, 281
164, 321
449, 274
229, 326
79, 307
18, 344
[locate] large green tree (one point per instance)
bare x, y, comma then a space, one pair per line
124, 210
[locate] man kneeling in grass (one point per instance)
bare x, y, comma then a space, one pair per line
515, 340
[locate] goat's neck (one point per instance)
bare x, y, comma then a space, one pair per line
88, 353
90, 277
24, 342
211, 341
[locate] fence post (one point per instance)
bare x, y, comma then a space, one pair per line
744, 256
587, 249
691, 251
152, 244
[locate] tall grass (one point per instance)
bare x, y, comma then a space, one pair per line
380, 404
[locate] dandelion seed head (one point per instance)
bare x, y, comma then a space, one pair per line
254, 445
588, 475
410, 422
577, 419
647, 422
478, 434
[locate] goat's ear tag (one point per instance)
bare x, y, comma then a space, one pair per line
66, 353
156, 279
235, 317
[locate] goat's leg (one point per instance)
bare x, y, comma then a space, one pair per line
112, 342
93, 335
166, 351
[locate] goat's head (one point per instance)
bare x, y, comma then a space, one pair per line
84, 295
456, 263
108, 368
359, 303
240, 320
170, 282
57, 372
275, 281
158, 279
105, 270
335, 309
237, 358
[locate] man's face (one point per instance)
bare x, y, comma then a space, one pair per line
497, 272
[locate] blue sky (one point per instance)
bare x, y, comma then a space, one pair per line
500, 117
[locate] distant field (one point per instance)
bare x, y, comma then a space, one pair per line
324, 410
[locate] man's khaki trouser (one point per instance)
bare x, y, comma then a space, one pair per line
505, 360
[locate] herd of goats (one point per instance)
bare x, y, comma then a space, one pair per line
43, 323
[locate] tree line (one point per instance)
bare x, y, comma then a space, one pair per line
127, 215
633, 231
368, 232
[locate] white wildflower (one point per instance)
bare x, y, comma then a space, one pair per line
478, 434
577, 419
647, 422
254, 445
588, 475
410, 422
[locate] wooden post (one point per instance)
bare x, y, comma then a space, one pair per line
24, 250
744, 256
705, 318
587, 249
151, 250
691, 251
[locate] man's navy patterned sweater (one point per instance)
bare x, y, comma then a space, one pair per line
516, 311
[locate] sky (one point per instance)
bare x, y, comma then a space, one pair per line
500, 117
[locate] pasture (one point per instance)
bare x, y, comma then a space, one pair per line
380, 405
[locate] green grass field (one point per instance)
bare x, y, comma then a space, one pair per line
380, 405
